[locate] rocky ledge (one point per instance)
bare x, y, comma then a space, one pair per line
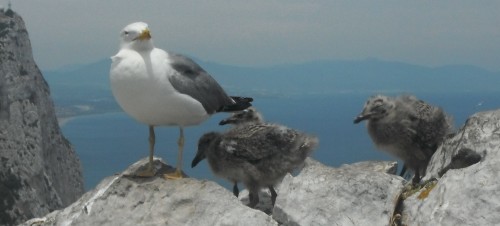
461, 189
466, 167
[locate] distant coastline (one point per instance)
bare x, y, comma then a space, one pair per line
63, 120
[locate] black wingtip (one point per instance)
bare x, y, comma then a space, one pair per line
242, 99
242, 103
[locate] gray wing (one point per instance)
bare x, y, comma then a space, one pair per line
192, 80
259, 141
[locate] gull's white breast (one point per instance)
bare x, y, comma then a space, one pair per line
139, 82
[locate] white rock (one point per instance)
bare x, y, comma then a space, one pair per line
349, 195
122, 200
466, 196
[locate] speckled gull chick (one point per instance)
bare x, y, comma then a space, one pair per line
259, 155
407, 128
249, 115
158, 88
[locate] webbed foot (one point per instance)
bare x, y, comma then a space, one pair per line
177, 174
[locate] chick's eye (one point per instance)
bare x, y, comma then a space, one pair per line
377, 107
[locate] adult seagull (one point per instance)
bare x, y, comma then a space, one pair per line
158, 88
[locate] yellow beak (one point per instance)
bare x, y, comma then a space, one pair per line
145, 35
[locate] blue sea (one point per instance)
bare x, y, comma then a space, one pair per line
109, 143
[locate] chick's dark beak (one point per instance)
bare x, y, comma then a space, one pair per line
197, 159
361, 117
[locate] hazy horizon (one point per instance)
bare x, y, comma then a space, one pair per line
264, 33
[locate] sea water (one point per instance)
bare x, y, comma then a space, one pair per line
109, 143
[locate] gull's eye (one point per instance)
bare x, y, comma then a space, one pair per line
125, 32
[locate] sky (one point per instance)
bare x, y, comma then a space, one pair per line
270, 32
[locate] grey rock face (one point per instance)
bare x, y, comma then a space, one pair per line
122, 200
39, 171
349, 195
266, 206
468, 193
376, 166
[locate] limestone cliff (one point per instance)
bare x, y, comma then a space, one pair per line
39, 171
